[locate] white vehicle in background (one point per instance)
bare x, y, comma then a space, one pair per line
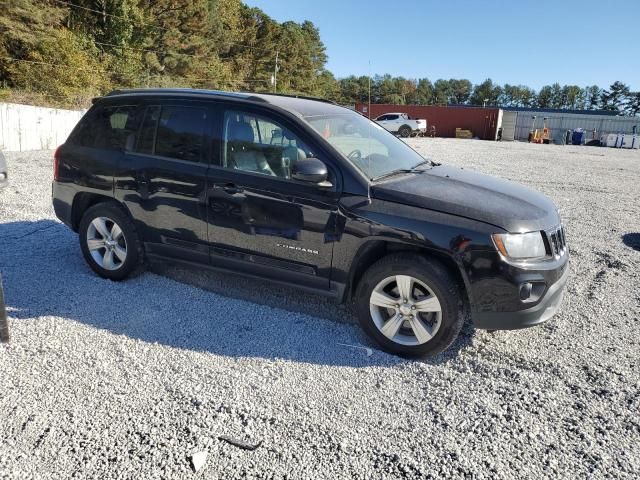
401, 124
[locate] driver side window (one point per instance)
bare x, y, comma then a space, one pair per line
256, 144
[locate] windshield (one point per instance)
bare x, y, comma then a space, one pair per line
366, 144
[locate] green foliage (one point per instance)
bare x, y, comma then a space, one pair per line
219, 44
24, 23
80, 77
615, 98
424, 92
517, 96
632, 106
486, 93
592, 96
65, 54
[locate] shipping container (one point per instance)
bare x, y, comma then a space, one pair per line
516, 123
483, 122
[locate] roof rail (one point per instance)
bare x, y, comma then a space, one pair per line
259, 97
304, 97
184, 91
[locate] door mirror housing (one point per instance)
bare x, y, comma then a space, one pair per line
311, 170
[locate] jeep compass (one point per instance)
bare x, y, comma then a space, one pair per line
306, 193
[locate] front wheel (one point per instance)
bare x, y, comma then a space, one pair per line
109, 241
409, 305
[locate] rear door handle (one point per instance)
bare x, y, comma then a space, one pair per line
142, 179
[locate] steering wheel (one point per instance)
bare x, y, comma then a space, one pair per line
355, 155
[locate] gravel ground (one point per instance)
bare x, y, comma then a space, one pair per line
127, 380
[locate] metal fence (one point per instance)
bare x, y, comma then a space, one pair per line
558, 123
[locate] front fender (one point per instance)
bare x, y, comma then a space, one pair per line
372, 230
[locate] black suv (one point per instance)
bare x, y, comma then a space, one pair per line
306, 193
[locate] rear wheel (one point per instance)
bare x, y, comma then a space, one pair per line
109, 241
405, 131
409, 305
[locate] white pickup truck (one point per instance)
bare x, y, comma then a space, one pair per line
401, 124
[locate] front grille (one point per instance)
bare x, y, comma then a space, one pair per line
556, 242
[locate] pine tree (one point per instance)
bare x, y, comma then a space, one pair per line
615, 98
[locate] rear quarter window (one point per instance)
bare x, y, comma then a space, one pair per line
107, 127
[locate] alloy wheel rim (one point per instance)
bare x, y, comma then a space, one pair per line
405, 310
106, 243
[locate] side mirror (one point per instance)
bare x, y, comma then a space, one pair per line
311, 170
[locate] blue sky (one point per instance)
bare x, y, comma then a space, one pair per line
534, 43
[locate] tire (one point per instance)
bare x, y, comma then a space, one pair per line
109, 242
404, 131
432, 288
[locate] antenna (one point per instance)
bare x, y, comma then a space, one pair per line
369, 109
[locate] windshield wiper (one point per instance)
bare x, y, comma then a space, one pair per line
424, 162
396, 172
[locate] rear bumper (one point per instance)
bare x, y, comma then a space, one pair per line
540, 313
62, 199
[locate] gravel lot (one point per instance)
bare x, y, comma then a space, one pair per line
127, 380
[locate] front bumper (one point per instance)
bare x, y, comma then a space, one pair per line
540, 313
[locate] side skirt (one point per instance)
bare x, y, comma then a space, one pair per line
336, 290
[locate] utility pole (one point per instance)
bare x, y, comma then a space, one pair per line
275, 74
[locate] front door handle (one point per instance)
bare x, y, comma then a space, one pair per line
232, 188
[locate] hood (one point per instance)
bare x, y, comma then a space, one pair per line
472, 195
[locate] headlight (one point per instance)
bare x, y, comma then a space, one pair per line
520, 245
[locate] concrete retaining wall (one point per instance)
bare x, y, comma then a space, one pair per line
24, 127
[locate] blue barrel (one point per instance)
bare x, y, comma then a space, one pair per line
577, 138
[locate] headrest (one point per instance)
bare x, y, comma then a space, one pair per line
240, 132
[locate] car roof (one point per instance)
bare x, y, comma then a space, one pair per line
300, 105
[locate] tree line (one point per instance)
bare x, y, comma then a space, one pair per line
387, 89
64, 52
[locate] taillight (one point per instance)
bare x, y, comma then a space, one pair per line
56, 164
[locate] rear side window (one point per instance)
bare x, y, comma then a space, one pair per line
173, 131
181, 133
109, 128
